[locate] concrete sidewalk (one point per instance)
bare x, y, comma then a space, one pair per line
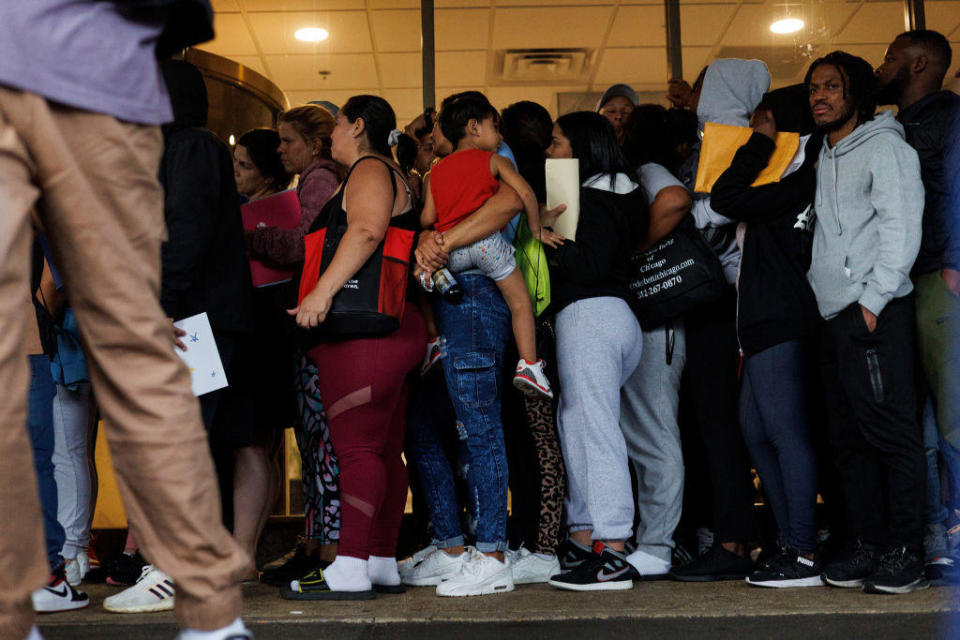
534, 612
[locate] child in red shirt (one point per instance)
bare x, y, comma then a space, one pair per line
459, 185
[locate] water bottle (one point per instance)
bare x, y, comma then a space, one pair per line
447, 285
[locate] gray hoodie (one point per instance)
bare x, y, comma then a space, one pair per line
869, 208
732, 88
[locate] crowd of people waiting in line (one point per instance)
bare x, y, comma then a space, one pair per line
825, 359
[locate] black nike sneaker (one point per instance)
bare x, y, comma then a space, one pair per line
605, 570
572, 554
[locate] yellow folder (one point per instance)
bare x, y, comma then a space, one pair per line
721, 142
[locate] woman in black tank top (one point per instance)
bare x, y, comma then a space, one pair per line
362, 381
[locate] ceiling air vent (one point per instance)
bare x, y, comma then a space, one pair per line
544, 66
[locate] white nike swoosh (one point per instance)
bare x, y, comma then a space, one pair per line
603, 576
62, 594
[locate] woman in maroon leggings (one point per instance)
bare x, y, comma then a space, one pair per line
363, 381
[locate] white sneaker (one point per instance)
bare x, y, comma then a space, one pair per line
58, 595
649, 566
407, 565
434, 569
531, 380
529, 568
153, 591
481, 575
77, 568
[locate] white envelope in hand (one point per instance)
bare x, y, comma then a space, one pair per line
563, 187
202, 355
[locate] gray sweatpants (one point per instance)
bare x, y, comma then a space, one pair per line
599, 344
649, 403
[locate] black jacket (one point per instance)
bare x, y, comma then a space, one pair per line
928, 125
597, 264
186, 22
776, 304
204, 266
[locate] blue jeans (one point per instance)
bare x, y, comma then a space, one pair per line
774, 401
477, 330
40, 426
934, 511
429, 415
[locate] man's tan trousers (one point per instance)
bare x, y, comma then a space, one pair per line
93, 181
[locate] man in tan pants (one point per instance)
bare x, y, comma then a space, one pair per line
92, 178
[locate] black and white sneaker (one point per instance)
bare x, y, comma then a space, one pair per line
606, 570
788, 569
854, 565
898, 571
572, 554
58, 595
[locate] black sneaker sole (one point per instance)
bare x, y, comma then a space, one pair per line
844, 584
916, 585
708, 578
786, 583
389, 588
289, 594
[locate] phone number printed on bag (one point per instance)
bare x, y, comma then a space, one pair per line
660, 281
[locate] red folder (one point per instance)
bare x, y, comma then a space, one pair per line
280, 210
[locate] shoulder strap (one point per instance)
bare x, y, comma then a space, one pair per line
393, 184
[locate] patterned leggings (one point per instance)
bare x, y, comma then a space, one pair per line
541, 422
321, 476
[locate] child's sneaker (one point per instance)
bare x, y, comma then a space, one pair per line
531, 379
58, 595
436, 350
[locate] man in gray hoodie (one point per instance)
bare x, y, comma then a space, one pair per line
869, 207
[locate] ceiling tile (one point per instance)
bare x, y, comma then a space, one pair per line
877, 22
393, 4
232, 37
550, 27
440, 4
399, 70
407, 104
301, 72
300, 5
631, 66
461, 68
946, 17
225, 6
694, 60
636, 26
396, 30
461, 29
348, 31
703, 24
504, 3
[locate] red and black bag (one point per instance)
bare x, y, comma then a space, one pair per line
371, 302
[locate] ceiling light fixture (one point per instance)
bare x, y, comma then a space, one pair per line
787, 25
311, 34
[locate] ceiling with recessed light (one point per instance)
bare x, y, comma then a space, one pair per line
374, 45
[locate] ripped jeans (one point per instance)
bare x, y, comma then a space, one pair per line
477, 330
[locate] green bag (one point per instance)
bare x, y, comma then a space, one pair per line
532, 262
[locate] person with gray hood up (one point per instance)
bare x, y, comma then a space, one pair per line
869, 207
729, 92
